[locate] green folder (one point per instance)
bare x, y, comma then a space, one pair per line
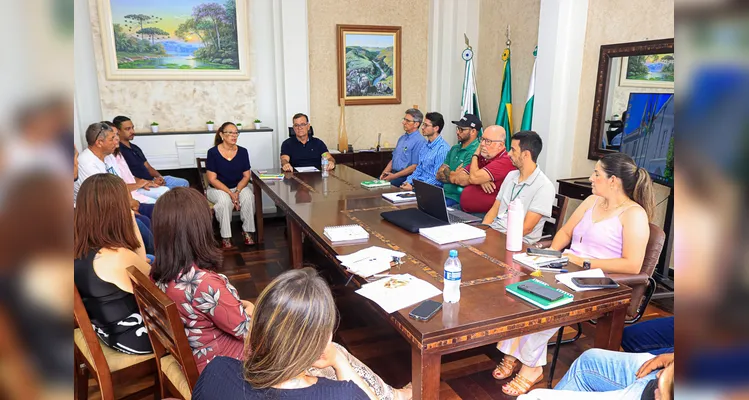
538, 301
377, 183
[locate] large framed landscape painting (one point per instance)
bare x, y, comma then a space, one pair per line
369, 64
649, 70
175, 39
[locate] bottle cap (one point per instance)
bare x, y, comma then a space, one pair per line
453, 253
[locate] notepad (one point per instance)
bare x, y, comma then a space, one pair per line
306, 169
271, 177
452, 233
536, 300
373, 184
396, 292
345, 233
537, 261
400, 197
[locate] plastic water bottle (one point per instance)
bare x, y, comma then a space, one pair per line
453, 271
324, 166
515, 217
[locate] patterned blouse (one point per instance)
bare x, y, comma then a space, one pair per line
216, 323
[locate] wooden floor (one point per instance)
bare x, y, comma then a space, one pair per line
369, 337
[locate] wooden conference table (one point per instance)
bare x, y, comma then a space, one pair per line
485, 313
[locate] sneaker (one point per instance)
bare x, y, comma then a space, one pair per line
226, 243
248, 238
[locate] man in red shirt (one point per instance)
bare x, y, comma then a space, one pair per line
483, 177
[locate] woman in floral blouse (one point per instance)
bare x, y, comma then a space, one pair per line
187, 255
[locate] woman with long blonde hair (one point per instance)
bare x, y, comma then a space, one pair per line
289, 352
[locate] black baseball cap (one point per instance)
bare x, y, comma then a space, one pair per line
469, 121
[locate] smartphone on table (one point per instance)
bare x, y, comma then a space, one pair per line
426, 310
605, 282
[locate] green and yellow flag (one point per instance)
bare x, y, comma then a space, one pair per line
504, 112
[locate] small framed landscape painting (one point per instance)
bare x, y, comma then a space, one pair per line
174, 39
369, 64
648, 70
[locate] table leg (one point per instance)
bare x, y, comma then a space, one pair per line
425, 374
609, 330
258, 211
295, 242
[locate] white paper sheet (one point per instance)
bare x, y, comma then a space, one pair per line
588, 273
405, 290
369, 261
306, 169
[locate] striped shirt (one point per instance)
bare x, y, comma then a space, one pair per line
430, 160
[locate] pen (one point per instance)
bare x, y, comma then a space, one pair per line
553, 270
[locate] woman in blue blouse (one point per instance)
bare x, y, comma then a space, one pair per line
228, 173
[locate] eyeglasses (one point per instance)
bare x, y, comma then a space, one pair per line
462, 129
410, 121
300, 126
230, 133
427, 125
489, 141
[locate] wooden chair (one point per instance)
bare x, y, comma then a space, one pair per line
558, 212
110, 368
643, 286
178, 372
202, 179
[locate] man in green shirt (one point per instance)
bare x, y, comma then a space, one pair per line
459, 155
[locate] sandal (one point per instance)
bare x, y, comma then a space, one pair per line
520, 385
505, 369
248, 238
226, 243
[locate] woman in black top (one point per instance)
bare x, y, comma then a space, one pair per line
290, 353
228, 172
106, 242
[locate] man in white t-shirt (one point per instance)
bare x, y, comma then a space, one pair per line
93, 160
528, 184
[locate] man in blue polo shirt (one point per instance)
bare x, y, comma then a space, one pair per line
136, 160
303, 150
432, 154
406, 153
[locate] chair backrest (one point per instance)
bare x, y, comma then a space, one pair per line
202, 179
165, 327
652, 255
292, 133
100, 367
558, 212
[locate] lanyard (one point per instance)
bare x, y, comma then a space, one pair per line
514, 195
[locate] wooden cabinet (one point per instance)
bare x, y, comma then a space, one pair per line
369, 162
575, 188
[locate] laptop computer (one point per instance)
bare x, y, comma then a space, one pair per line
431, 210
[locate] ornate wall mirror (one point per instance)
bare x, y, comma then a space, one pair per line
633, 106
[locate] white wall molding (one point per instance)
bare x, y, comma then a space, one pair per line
561, 39
86, 99
448, 21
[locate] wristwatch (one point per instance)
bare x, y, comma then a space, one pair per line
586, 264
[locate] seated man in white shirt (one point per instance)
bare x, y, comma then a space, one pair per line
528, 184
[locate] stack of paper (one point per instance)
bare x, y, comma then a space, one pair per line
537, 261
374, 184
589, 273
306, 169
398, 291
369, 261
345, 233
452, 233
400, 197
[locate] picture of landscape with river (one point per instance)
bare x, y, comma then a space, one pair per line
175, 34
369, 64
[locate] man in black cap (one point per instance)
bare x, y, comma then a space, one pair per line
459, 156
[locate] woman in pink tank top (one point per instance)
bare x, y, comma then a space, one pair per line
610, 231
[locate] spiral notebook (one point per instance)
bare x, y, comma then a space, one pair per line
345, 233
536, 300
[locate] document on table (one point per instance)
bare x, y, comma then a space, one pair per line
398, 291
369, 261
588, 273
452, 233
306, 169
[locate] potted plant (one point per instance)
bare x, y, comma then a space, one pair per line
257, 123
209, 126
154, 127
239, 126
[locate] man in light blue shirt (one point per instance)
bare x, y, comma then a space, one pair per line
407, 150
432, 155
